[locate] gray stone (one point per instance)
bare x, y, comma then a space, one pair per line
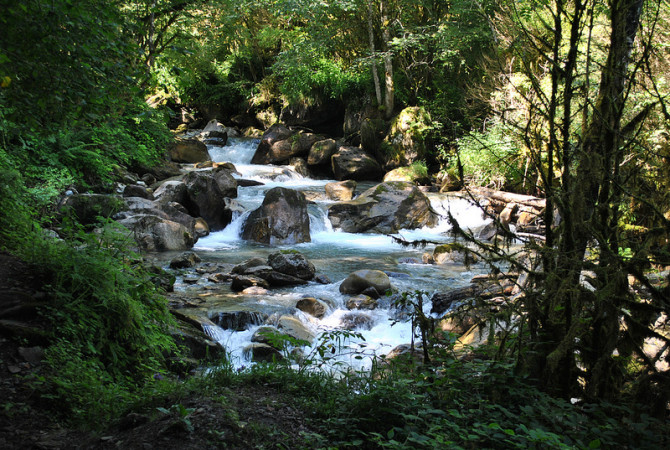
206, 191
360, 280
188, 151
352, 163
241, 282
387, 208
281, 219
155, 234
321, 152
312, 307
294, 264
341, 191
362, 301
262, 353
186, 259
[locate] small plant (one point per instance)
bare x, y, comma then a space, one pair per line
181, 414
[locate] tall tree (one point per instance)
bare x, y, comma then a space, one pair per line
584, 323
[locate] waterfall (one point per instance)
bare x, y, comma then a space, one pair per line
335, 254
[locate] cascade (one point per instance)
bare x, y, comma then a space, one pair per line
335, 254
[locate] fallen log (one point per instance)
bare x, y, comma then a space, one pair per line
510, 197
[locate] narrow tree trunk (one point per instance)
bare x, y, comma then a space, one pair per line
373, 51
389, 97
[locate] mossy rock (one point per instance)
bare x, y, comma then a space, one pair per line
407, 141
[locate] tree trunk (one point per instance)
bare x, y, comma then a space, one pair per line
389, 99
373, 51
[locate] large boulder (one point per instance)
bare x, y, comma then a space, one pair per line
361, 280
312, 307
206, 193
172, 211
321, 151
154, 234
281, 219
171, 191
341, 190
292, 263
279, 144
216, 129
352, 163
407, 139
188, 151
274, 144
387, 207
295, 328
415, 173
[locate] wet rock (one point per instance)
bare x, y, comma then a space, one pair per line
352, 163
371, 291
262, 353
201, 228
188, 151
241, 282
387, 208
281, 219
186, 259
361, 280
278, 279
362, 302
411, 174
341, 191
161, 278
404, 351
292, 263
277, 145
451, 253
255, 290
191, 279
238, 320
410, 260
214, 128
206, 193
457, 325
135, 190
299, 166
148, 179
155, 234
356, 321
219, 277
171, 191
322, 279
312, 307
295, 328
249, 263
321, 152
247, 183
199, 345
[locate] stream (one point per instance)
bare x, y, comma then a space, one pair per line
335, 254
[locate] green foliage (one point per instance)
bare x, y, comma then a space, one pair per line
104, 302
489, 159
306, 73
82, 390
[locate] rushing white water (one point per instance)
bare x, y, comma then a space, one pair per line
335, 254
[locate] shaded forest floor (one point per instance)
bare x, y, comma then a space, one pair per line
246, 416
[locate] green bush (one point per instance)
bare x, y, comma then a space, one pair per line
490, 159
